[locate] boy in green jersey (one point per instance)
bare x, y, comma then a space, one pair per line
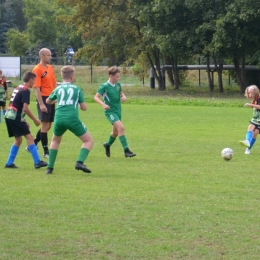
68, 98
252, 92
112, 94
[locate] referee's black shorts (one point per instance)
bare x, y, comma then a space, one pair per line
49, 116
16, 128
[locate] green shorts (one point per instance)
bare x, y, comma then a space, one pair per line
75, 126
112, 117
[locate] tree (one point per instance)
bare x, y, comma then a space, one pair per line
237, 35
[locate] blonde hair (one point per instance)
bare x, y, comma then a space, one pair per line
67, 72
255, 90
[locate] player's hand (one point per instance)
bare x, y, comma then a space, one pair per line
37, 122
123, 98
106, 107
43, 108
248, 104
27, 124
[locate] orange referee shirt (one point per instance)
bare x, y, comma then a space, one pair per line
45, 79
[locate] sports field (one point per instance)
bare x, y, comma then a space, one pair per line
177, 199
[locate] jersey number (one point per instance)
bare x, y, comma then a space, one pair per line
69, 100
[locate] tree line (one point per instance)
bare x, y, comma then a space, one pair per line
147, 33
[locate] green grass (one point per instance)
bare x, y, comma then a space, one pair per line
177, 199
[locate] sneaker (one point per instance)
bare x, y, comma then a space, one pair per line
82, 167
49, 171
128, 153
247, 151
246, 143
46, 155
40, 164
107, 148
11, 166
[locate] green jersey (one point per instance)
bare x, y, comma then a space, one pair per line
256, 113
68, 97
111, 96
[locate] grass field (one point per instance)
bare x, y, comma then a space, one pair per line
177, 199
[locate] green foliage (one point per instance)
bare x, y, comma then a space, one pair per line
17, 42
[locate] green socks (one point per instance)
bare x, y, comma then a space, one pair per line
111, 140
123, 141
83, 154
52, 158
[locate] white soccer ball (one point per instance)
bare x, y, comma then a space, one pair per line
227, 154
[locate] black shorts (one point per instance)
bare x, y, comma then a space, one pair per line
47, 117
2, 103
16, 128
256, 126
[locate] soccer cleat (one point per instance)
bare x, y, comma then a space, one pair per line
107, 148
49, 171
82, 167
40, 164
46, 155
245, 143
128, 153
13, 166
247, 151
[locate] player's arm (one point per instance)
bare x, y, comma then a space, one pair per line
83, 106
122, 97
97, 98
252, 105
39, 99
51, 102
29, 114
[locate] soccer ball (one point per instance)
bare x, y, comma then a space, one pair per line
227, 154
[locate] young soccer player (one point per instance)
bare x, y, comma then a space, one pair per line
3, 95
112, 94
68, 97
252, 92
17, 125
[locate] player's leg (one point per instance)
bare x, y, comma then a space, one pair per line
34, 152
15, 129
53, 152
58, 130
45, 127
253, 139
87, 145
249, 136
80, 130
46, 123
121, 135
112, 118
13, 152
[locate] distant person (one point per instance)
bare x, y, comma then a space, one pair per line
69, 54
3, 95
44, 85
252, 92
112, 94
69, 97
17, 125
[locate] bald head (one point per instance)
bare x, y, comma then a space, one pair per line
44, 51
45, 56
